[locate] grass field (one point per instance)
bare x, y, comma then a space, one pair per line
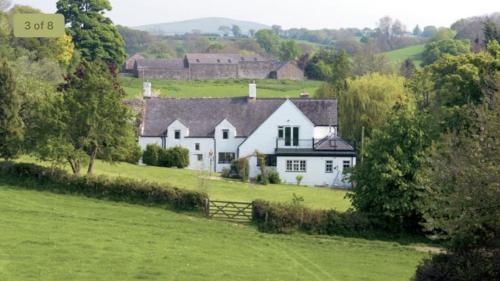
45, 236
222, 189
220, 88
413, 52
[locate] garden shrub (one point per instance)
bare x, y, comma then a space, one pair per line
172, 157
288, 218
225, 173
116, 189
151, 155
273, 177
240, 169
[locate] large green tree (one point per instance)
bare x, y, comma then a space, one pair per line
388, 182
268, 41
89, 119
94, 34
367, 103
11, 125
435, 50
288, 50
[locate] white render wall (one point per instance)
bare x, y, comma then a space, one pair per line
315, 174
226, 145
264, 137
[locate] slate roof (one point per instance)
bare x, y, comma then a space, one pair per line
213, 58
201, 115
333, 143
160, 63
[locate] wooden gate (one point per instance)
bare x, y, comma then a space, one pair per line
229, 210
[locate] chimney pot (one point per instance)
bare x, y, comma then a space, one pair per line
252, 91
146, 90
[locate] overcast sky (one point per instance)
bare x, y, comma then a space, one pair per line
313, 14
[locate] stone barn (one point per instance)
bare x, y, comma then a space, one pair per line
130, 62
217, 66
287, 70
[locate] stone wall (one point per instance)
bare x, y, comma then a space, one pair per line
254, 70
163, 73
213, 71
289, 71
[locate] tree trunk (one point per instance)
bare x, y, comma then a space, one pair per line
93, 155
75, 165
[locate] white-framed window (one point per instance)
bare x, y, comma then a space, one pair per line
196, 146
177, 134
346, 164
226, 157
199, 157
296, 165
328, 166
225, 134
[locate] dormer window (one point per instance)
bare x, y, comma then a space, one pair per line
225, 134
177, 134
218, 60
229, 60
197, 60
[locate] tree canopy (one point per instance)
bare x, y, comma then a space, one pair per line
94, 34
435, 50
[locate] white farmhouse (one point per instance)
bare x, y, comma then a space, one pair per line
298, 136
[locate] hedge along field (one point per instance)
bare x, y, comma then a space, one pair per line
46, 236
222, 189
220, 88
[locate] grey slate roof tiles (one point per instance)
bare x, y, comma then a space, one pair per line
201, 115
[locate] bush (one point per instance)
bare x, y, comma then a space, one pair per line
151, 154
116, 189
226, 173
477, 264
172, 157
240, 169
288, 218
273, 177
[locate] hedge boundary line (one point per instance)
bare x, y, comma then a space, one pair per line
103, 187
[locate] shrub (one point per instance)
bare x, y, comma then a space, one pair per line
274, 177
240, 169
117, 189
477, 264
226, 173
288, 218
299, 179
262, 178
151, 154
172, 157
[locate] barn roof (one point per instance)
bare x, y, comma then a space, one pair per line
160, 63
201, 115
194, 58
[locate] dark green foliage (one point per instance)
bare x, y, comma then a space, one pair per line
274, 177
151, 155
289, 218
480, 264
491, 32
240, 169
11, 124
96, 122
388, 182
93, 33
177, 156
288, 50
333, 67
116, 189
436, 50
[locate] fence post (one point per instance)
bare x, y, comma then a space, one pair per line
207, 207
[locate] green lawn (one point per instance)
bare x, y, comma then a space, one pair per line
220, 88
54, 237
413, 52
221, 189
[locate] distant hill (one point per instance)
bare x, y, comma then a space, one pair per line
204, 25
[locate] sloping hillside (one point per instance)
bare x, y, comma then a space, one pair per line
413, 52
204, 25
55, 237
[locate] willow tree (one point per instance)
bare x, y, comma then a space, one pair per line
368, 101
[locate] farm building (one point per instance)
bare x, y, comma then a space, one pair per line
298, 136
216, 66
130, 62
